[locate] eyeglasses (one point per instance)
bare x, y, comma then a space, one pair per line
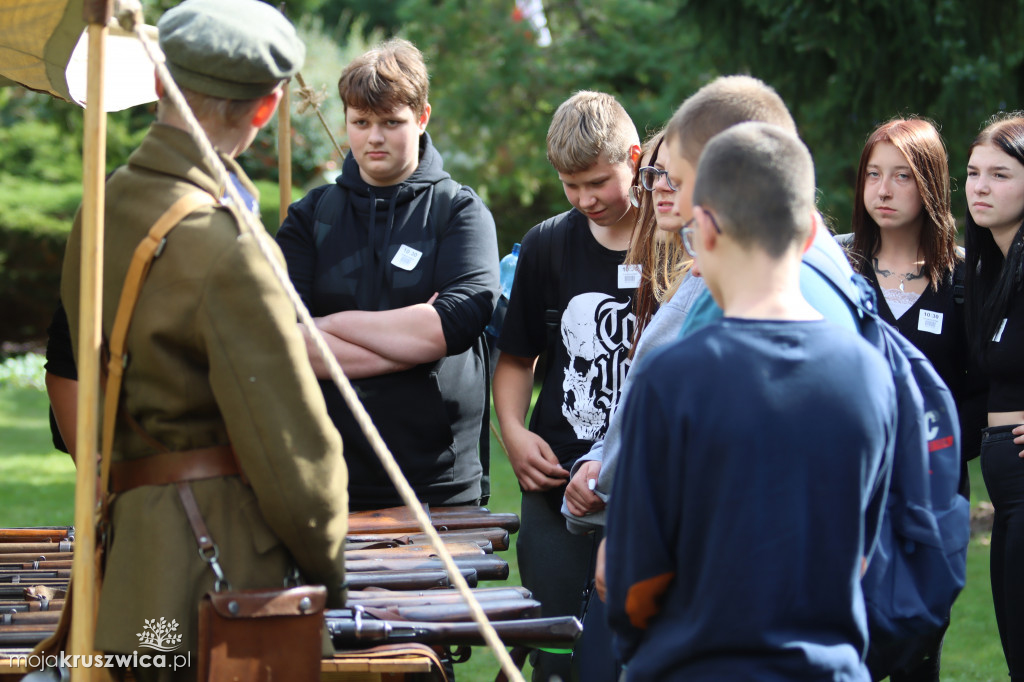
649, 177
687, 234
689, 230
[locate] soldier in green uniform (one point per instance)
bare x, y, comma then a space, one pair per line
216, 360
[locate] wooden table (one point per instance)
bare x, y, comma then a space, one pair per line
340, 668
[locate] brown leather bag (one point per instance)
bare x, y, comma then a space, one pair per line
261, 635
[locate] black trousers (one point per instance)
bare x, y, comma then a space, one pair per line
1003, 470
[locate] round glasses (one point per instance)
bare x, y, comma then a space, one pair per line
687, 234
649, 177
690, 230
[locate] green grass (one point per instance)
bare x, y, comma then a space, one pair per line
37, 483
37, 489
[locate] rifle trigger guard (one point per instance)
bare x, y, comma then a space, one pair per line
461, 653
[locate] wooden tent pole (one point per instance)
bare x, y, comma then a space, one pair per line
97, 14
284, 151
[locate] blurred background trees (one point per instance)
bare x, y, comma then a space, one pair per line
843, 66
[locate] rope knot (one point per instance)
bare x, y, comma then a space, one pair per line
310, 98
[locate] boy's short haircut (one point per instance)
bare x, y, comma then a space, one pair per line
386, 77
759, 180
721, 103
584, 127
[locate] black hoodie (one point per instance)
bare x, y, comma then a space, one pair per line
430, 416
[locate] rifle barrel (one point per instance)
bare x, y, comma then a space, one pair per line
401, 598
412, 580
487, 567
349, 633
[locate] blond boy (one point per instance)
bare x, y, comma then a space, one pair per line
572, 303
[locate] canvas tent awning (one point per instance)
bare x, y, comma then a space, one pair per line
43, 47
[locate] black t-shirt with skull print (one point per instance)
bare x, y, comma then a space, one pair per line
563, 269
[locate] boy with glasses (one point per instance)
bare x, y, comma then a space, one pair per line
739, 551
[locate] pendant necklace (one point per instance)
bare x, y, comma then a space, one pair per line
903, 277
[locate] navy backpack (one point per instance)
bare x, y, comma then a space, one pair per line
919, 560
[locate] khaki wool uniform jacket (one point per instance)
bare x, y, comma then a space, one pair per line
215, 357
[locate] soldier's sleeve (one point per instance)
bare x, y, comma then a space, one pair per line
274, 411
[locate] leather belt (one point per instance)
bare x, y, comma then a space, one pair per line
174, 467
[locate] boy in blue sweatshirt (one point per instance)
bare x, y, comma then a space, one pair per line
736, 529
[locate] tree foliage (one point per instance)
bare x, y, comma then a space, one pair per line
843, 66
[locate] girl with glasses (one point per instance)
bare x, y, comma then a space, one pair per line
995, 323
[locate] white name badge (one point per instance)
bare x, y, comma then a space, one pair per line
999, 332
630, 276
406, 258
930, 322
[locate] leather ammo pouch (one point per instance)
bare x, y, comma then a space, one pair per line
254, 635
261, 635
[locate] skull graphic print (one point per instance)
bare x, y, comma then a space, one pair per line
596, 331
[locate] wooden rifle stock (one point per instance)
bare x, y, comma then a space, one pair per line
498, 538
406, 580
487, 567
400, 520
20, 606
44, 534
22, 557
360, 631
412, 551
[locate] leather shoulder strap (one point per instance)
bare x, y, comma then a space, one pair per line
142, 259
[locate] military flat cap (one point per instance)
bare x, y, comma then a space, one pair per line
234, 49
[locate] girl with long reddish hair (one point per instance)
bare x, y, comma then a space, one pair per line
904, 243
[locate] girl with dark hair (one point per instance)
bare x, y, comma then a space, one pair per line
995, 318
904, 244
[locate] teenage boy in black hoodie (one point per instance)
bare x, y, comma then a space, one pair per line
399, 266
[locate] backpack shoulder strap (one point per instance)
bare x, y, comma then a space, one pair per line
855, 289
441, 204
554, 245
959, 292
330, 209
147, 250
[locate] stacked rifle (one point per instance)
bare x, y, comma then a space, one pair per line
399, 589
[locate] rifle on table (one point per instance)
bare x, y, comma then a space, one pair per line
487, 567
401, 520
37, 534
22, 557
422, 551
353, 630
515, 608
24, 635
498, 537
406, 580
379, 597
33, 565
22, 606
36, 548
